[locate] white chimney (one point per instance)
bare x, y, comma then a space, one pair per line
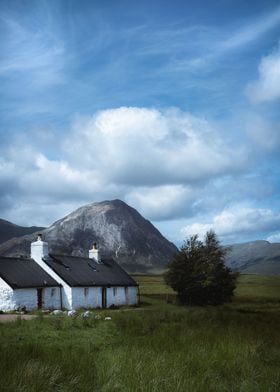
39, 249
94, 253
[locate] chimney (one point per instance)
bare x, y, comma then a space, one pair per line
94, 253
39, 249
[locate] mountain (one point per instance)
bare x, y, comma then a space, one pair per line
119, 230
9, 230
255, 257
133, 241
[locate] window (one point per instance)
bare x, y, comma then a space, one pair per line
52, 292
126, 293
115, 290
85, 291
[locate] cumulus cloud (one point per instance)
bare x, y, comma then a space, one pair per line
144, 147
236, 220
263, 133
267, 87
155, 160
163, 202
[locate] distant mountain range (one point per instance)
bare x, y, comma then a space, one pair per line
255, 257
9, 230
121, 232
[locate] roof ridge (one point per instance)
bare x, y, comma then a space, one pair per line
16, 258
63, 255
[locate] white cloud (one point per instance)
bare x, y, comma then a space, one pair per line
236, 220
156, 160
144, 147
274, 237
263, 133
267, 87
162, 202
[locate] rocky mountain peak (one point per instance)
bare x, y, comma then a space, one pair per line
120, 231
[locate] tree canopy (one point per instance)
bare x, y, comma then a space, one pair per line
198, 272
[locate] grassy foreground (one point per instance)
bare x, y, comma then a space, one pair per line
158, 347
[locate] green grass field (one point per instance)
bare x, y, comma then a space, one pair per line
158, 347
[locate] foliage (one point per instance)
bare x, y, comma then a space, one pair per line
198, 273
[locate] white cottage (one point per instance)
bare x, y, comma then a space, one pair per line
66, 282
24, 284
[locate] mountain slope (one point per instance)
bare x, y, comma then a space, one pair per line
119, 230
260, 257
9, 230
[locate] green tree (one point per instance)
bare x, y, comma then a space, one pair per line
198, 272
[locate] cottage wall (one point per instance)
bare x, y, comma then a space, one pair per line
132, 295
25, 297
13, 299
116, 296
6, 296
29, 298
91, 297
121, 296
86, 297
51, 298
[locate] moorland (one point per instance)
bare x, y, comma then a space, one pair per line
158, 346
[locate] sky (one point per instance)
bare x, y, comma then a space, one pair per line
172, 107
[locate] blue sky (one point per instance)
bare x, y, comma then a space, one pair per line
172, 107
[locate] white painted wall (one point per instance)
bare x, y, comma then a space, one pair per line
51, 298
132, 295
92, 297
6, 296
121, 296
13, 299
89, 298
39, 249
25, 297
118, 298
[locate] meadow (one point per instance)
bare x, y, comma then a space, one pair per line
159, 346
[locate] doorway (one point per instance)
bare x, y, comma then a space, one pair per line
39, 298
104, 297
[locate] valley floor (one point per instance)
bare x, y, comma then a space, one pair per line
164, 347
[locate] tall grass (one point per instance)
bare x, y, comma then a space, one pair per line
161, 347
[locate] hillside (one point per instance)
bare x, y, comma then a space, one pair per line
119, 230
9, 230
255, 257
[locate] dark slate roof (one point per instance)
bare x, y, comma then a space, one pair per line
24, 273
81, 271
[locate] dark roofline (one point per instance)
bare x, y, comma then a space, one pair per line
17, 287
16, 283
54, 257
45, 259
